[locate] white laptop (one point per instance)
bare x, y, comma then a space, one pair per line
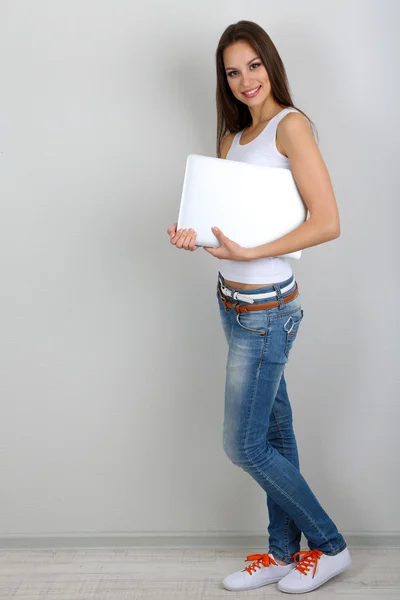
251, 204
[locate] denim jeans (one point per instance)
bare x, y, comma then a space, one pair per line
258, 431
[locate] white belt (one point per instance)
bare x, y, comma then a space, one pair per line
251, 297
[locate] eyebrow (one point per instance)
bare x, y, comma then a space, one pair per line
250, 61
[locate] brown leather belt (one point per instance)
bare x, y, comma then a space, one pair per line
240, 308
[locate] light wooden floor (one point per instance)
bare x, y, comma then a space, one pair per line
174, 574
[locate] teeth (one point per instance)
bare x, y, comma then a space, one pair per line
251, 91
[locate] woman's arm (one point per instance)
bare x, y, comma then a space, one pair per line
315, 187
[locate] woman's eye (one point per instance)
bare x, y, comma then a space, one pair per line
253, 65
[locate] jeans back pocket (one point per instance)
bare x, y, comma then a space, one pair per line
291, 327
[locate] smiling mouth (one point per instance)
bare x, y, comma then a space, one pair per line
252, 93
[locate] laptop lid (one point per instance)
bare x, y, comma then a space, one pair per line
251, 204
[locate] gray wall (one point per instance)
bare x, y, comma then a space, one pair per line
112, 355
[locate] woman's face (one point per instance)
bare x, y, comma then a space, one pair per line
245, 71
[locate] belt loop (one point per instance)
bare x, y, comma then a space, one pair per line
234, 301
279, 294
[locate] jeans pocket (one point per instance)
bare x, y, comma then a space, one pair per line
291, 327
253, 321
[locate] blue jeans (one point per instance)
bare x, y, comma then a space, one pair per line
258, 431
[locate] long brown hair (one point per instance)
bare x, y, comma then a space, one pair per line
233, 115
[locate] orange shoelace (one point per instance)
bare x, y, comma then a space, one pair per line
309, 559
259, 559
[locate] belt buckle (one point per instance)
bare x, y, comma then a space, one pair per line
225, 292
237, 306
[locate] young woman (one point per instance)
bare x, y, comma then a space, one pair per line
260, 310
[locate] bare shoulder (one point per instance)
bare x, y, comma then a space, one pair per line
226, 144
310, 172
294, 123
293, 127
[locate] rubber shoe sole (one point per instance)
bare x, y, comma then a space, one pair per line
242, 580
296, 582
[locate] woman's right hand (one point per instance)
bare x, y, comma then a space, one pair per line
182, 238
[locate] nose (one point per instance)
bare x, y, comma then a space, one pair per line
247, 84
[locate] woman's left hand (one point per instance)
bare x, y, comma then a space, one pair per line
228, 249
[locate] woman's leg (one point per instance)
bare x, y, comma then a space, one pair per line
284, 535
259, 346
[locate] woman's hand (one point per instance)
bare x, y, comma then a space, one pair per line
183, 238
228, 249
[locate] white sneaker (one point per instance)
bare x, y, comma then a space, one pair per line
262, 571
314, 569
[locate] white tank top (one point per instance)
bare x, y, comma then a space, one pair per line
260, 151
